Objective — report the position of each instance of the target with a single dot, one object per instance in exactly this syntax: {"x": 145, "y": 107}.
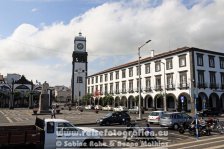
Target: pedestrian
{"x": 53, "y": 113}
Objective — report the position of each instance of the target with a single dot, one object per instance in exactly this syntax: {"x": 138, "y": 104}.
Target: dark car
{"x": 210, "y": 111}
{"x": 114, "y": 117}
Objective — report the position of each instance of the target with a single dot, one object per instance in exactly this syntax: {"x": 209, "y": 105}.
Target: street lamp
{"x": 139, "y": 83}
{"x": 164, "y": 80}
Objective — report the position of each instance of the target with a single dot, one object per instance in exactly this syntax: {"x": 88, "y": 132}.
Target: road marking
{"x": 2, "y": 113}
{"x": 179, "y": 135}
{"x": 215, "y": 147}
{"x": 195, "y": 141}
{"x": 202, "y": 144}
{"x": 10, "y": 121}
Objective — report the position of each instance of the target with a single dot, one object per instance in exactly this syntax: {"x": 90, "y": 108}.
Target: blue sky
{"x": 36, "y": 36}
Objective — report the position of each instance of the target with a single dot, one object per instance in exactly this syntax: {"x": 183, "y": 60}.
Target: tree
{"x": 86, "y": 98}
{"x": 108, "y": 99}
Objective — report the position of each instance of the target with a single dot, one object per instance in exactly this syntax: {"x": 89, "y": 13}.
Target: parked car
{"x": 114, "y": 117}
{"x": 107, "y": 108}
{"x": 120, "y": 108}
{"x": 98, "y": 107}
{"x": 135, "y": 110}
{"x": 89, "y": 107}
{"x": 154, "y": 116}
{"x": 174, "y": 119}
{"x": 210, "y": 111}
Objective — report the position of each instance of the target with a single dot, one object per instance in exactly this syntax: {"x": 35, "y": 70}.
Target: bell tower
{"x": 79, "y": 69}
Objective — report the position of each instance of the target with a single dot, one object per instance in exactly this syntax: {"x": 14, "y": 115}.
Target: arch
{"x": 186, "y": 105}
{"x": 149, "y": 102}
{"x": 214, "y": 101}
{"x": 131, "y": 101}
{"x": 116, "y": 101}
{"x": 96, "y": 101}
{"x": 203, "y": 100}
{"x": 123, "y": 101}
{"x": 159, "y": 101}
{"x": 171, "y": 101}
{"x": 222, "y": 102}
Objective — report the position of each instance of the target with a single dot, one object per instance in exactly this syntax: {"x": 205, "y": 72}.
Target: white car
{"x": 154, "y": 116}
{"x": 121, "y": 108}
{"x": 89, "y": 107}
{"x": 98, "y": 107}
{"x": 107, "y": 108}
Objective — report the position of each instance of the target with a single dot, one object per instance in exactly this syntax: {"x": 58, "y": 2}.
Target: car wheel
{"x": 175, "y": 126}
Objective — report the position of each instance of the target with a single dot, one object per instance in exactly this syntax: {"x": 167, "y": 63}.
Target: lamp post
{"x": 139, "y": 83}
{"x": 164, "y": 82}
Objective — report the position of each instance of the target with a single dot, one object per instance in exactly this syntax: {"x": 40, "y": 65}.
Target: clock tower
{"x": 79, "y": 69}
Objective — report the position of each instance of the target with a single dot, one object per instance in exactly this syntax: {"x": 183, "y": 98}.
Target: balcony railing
{"x": 111, "y": 92}
{"x": 183, "y": 86}
{"x": 214, "y": 86}
{"x": 123, "y": 91}
{"x": 147, "y": 89}
{"x": 170, "y": 87}
{"x": 158, "y": 88}
{"x": 131, "y": 90}
{"x": 117, "y": 92}
{"x": 202, "y": 85}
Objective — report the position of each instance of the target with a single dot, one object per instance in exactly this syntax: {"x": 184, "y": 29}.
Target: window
{"x": 92, "y": 89}
{"x": 222, "y": 80}
{"x": 123, "y": 73}
{"x": 201, "y": 79}
{"x": 111, "y": 76}
{"x": 130, "y": 72}
{"x": 157, "y": 66}
{"x": 89, "y": 90}
{"x": 105, "y": 89}
{"x": 212, "y": 79}
{"x": 111, "y": 88}
{"x": 130, "y": 85}
{"x": 79, "y": 79}
{"x": 147, "y": 68}
{"x": 200, "y": 59}
{"x": 96, "y": 79}
{"x": 96, "y": 87}
{"x": 211, "y": 60}
{"x": 92, "y": 80}
{"x": 221, "y": 61}
{"x": 50, "y": 127}
{"x": 182, "y": 60}
{"x": 183, "y": 79}
{"x": 117, "y": 87}
{"x": 105, "y": 77}
{"x": 158, "y": 82}
{"x": 169, "y": 64}
{"x": 138, "y": 70}
{"x": 148, "y": 83}
{"x": 101, "y": 89}
{"x": 88, "y": 81}
{"x": 124, "y": 87}
{"x": 117, "y": 74}
{"x": 169, "y": 80}
{"x": 101, "y": 78}
{"x": 138, "y": 84}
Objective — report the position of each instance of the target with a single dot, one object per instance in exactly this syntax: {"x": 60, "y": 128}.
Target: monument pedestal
{"x": 44, "y": 104}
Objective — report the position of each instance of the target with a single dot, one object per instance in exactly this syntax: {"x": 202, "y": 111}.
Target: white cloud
{"x": 34, "y": 10}
{"x": 115, "y": 28}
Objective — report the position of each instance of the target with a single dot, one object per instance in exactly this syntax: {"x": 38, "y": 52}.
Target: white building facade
{"x": 186, "y": 73}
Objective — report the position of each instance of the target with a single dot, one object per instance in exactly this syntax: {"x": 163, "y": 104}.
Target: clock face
{"x": 80, "y": 46}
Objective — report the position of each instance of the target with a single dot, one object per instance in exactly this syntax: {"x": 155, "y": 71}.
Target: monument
{"x": 44, "y": 101}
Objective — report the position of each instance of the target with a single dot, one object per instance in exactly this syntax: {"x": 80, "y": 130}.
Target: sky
{"x": 36, "y": 36}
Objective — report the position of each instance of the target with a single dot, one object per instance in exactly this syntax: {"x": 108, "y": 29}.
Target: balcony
{"x": 131, "y": 90}
{"x": 147, "y": 89}
{"x": 214, "y": 86}
{"x": 202, "y": 85}
{"x": 117, "y": 92}
{"x": 170, "y": 87}
{"x": 158, "y": 88}
{"x": 123, "y": 91}
{"x": 111, "y": 92}
{"x": 183, "y": 86}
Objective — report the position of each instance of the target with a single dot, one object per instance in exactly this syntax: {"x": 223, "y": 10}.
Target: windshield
{"x": 108, "y": 115}
{"x": 167, "y": 115}
{"x": 154, "y": 114}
